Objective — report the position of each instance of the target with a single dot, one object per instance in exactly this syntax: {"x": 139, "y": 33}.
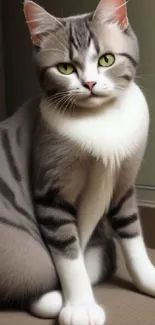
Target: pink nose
{"x": 89, "y": 84}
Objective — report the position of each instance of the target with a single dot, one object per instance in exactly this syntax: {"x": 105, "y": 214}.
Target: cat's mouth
{"x": 92, "y": 101}
{"x": 96, "y": 96}
{"x": 92, "y": 96}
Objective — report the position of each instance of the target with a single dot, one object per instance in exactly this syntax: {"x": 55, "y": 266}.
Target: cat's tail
{"x": 48, "y": 306}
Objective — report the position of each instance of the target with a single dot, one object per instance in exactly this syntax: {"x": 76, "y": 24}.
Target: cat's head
{"x": 86, "y": 60}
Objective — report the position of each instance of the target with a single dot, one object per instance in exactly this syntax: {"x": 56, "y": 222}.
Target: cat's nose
{"x": 89, "y": 85}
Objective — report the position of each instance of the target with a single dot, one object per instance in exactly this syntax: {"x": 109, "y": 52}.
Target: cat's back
{"x": 16, "y": 135}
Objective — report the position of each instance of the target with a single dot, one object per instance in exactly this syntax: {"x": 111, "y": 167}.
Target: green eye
{"x": 106, "y": 60}
{"x": 65, "y": 68}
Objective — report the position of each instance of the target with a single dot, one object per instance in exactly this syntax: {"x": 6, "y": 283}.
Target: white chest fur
{"x": 112, "y": 134}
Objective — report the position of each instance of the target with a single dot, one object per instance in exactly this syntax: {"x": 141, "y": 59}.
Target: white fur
{"x": 139, "y": 266}
{"x": 74, "y": 279}
{"x": 82, "y": 315}
{"x": 91, "y": 64}
{"x": 113, "y": 132}
{"x": 95, "y": 200}
{"x": 48, "y": 306}
{"x": 93, "y": 261}
{"x": 80, "y": 306}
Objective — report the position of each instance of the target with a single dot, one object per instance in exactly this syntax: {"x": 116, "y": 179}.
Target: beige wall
{"x": 21, "y": 81}
{"x": 142, "y": 15}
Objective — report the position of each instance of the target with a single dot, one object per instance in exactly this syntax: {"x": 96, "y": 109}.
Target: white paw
{"x": 48, "y": 306}
{"x": 90, "y": 314}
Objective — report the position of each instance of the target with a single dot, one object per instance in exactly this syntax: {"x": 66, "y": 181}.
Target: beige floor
{"x": 123, "y": 304}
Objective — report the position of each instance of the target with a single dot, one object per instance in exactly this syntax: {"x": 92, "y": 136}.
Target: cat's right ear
{"x": 112, "y": 11}
{"x": 39, "y": 21}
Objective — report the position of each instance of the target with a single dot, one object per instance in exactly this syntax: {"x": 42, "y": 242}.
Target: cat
{"x": 68, "y": 164}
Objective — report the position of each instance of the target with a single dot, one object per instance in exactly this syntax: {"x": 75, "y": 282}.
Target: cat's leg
{"x": 27, "y": 271}
{"x": 80, "y": 305}
{"x": 124, "y": 218}
{"x": 100, "y": 261}
{"x": 58, "y": 226}
{"x": 100, "y": 265}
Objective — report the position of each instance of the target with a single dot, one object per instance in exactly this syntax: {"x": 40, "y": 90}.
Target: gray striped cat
{"x": 68, "y": 163}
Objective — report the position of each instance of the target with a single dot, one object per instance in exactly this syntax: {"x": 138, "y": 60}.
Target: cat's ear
{"x": 39, "y": 21}
{"x": 113, "y": 11}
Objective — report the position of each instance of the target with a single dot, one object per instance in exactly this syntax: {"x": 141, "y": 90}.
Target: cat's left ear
{"x": 113, "y": 11}
{"x": 39, "y": 21}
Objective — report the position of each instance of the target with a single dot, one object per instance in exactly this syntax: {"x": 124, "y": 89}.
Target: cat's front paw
{"x": 87, "y": 314}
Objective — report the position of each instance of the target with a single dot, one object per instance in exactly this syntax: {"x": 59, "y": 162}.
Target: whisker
{"x": 66, "y": 103}
{"x": 73, "y": 103}
{"x": 52, "y": 50}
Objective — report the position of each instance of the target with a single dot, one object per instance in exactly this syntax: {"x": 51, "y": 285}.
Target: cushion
{"x": 123, "y": 304}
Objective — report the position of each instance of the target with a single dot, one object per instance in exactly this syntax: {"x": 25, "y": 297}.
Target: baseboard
{"x": 146, "y": 196}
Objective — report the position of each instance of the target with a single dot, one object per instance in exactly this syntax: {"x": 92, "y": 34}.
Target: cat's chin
{"x": 94, "y": 102}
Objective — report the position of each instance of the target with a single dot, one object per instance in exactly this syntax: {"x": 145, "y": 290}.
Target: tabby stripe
{"x": 9, "y": 195}
{"x": 60, "y": 244}
{"x": 9, "y": 223}
{"x": 18, "y": 136}
{"x": 118, "y": 207}
{"x": 77, "y": 38}
{"x": 54, "y": 223}
{"x": 123, "y": 221}
{"x": 132, "y": 60}
{"x": 126, "y": 235}
{"x": 10, "y": 157}
{"x": 90, "y": 35}
{"x": 127, "y": 31}
{"x": 67, "y": 207}
{"x": 89, "y": 40}
{"x": 49, "y": 202}
{"x": 126, "y": 77}
{"x": 37, "y": 48}
{"x": 95, "y": 40}
{"x": 72, "y": 40}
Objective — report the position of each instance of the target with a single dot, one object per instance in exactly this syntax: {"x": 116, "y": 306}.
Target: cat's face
{"x": 85, "y": 61}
